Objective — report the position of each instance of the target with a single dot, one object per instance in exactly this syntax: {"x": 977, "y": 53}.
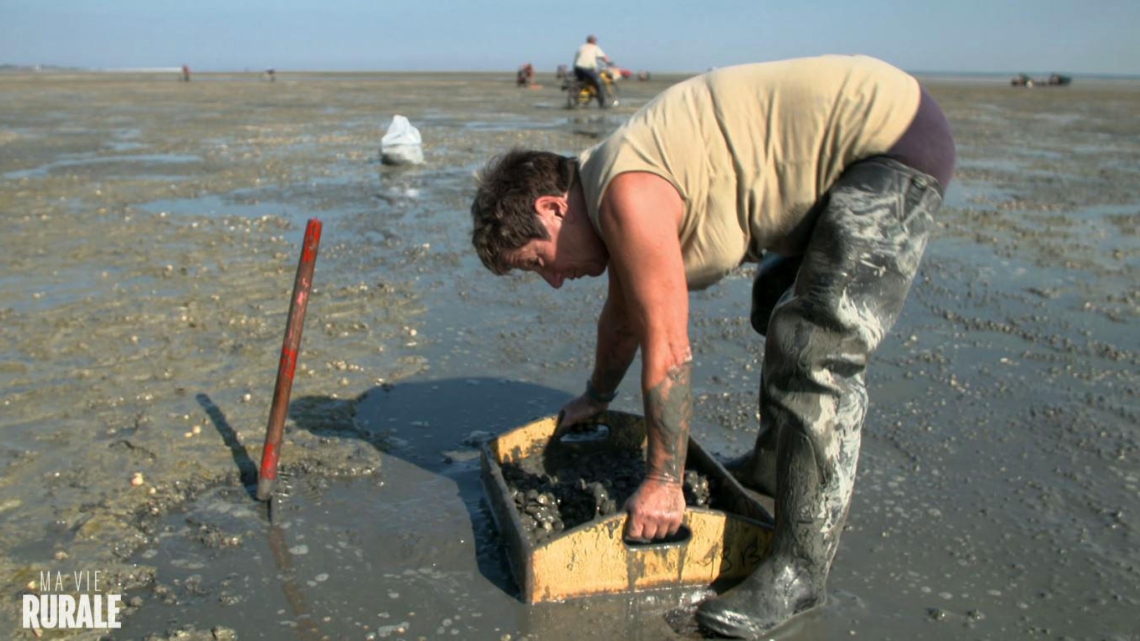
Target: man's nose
{"x": 554, "y": 279}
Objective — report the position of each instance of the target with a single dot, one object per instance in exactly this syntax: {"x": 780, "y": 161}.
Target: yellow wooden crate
{"x": 593, "y": 558}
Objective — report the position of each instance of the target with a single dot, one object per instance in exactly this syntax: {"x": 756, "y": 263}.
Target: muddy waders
{"x": 856, "y": 272}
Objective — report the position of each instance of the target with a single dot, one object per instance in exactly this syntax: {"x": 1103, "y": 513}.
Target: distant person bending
{"x": 525, "y": 76}
{"x": 586, "y": 67}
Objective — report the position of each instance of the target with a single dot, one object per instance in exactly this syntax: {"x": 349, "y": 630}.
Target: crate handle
{"x": 598, "y": 434}
{"x": 682, "y": 537}
{"x": 582, "y": 432}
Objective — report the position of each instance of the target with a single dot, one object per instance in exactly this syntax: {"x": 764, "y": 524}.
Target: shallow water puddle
{"x": 407, "y": 552}
{"x": 366, "y": 558}
{"x": 219, "y": 206}
{"x": 128, "y": 164}
{"x": 337, "y": 558}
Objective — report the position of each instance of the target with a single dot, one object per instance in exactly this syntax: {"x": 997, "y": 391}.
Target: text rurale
{"x": 71, "y": 600}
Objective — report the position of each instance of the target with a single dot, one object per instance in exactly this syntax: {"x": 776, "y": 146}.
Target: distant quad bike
{"x": 1054, "y": 80}
{"x": 580, "y": 93}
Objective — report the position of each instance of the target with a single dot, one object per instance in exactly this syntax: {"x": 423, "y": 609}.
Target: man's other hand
{"x": 579, "y": 410}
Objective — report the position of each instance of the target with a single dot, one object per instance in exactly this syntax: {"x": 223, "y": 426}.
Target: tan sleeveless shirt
{"x": 751, "y": 148}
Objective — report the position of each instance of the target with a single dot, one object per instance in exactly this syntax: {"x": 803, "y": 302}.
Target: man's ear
{"x": 551, "y": 206}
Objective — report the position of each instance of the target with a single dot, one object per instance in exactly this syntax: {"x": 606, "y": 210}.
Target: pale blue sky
{"x": 998, "y": 36}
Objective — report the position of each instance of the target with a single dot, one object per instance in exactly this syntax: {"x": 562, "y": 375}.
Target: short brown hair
{"x": 503, "y": 209}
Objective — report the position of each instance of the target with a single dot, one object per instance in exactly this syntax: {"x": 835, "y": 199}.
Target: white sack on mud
{"x": 402, "y": 144}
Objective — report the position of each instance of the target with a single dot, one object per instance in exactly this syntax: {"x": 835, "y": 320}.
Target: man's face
{"x": 570, "y": 252}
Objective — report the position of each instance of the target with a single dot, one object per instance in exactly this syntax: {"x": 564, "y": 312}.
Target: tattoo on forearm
{"x": 669, "y": 410}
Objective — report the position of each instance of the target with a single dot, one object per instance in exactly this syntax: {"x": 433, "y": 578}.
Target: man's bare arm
{"x": 669, "y": 411}
{"x": 643, "y": 213}
{"x": 617, "y": 342}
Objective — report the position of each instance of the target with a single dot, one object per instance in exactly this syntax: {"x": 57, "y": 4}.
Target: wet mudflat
{"x": 150, "y": 230}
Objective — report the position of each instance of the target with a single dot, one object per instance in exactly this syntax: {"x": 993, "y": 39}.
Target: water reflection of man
{"x": 586, "y": 67}
{"x": 838, "y": 161}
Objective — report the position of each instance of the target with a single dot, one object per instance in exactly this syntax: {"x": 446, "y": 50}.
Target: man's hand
{"x": 579, "y": 410}
{"x": 655, "y": 510}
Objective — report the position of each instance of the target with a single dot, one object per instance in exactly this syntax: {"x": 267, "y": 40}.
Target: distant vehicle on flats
{"x": 1054, "y": 80}
{"x": 580, "y": 93}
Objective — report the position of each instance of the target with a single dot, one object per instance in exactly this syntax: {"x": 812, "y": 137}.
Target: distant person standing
{"x": 586, "y": 66}
{"x": 185, "y": 73}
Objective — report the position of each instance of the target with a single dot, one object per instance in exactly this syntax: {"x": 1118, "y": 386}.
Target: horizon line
{"x": 178, "y": 69}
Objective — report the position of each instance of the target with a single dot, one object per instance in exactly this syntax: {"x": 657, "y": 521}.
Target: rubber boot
{"x": 810, "y": 513}
{"x": 849, "y": 290}
{"x": 775, "y": 277}
{"x": 756, "y": 470}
